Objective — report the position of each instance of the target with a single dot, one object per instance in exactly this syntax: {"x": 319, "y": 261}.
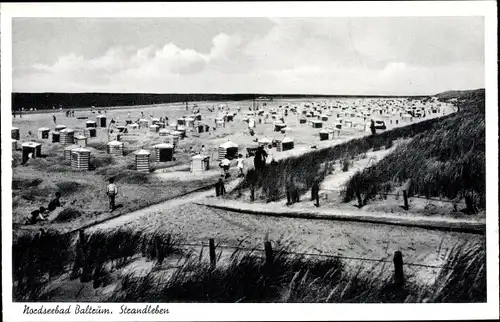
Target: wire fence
{"x": 255, "y": 249}
{"x": 398, "y": 195}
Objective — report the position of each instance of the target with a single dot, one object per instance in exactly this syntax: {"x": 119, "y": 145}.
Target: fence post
{"x": 405, "y": 197}
{"x": 211, "y": 245}
{"x": 360, "y": 200}
{"x": 85, "y": 263}
{"x": 269, "y": 253}
{"x": 398, "y": 268}
{"x": 79, "y": 256}
{"x": 98, "y": 274}
{"x": 159, "y": 250}
{"x": 144, "y": 246}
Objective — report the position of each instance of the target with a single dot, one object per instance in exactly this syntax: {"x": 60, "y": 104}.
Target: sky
{"x": 335, "y": 55}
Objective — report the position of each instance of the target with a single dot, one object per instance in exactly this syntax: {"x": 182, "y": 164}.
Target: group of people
{"x": 42, "y": 213}
{"x": 192, "y": 151}
{"x": 20, "y": 111}
{"x": 259, "y": 163}
{"x": 225, "y": 165}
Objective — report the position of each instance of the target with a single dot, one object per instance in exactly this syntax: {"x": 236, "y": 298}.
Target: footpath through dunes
{"x": 473, "y": 226}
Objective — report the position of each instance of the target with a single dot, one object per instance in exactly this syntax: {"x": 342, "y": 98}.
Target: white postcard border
{"x": 231, "y": 312}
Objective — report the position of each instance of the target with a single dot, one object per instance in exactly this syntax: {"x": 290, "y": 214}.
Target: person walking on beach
{"x": 224, "y": 165}
{"x": 111, "y": 191}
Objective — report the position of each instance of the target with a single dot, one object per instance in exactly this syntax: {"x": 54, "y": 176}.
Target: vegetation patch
{"x": 68, "y": 214}
{"x": 447, "y": 161}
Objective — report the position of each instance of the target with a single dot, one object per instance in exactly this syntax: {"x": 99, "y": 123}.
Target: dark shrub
{"x": 68, "y": 214}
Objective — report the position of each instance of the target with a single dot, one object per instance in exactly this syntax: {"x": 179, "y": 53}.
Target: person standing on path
{"x": 112, "y": 191}
{"x": 260, "y": 158}
{"x": 54, "y": 119}
{"x": 240, "y": 163}
{"x": 220, "y": 190}
{"x": 372, "y": 127}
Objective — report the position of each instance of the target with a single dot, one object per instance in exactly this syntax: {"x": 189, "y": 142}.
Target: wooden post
{"x": 98, "y": 274}
{"x": 86, "y": 263}
{"x": 159, "y": 250}
{"x": 398, "y": 268}
{"x": 295, "y": 195}
{"x": 269, "y": 253}
{"x": 217, "y": 189}
{"x": 211, "y": 245}
{"x": 79, "y": 255}
{"x": 469, "y": 203}
{"x": 144, "y": 247}
{"x": 360, "y": 200}
{"x": 405, "y": 197}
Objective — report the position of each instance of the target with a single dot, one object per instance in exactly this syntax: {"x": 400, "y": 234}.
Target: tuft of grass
{"x": 246, "y": 277}
{"x": 22, "y": 183}
{"x": 464, "y": 278}
{"x": 69, "y": 187}
{"x": 68, "y": 214}
{"x": 345, "y": 165}
{"x": 297, "y": 279}
{"x": 132, "y": 177}
{"x": 100, "y": 160}
{"x": 36, "y": 257}
{"x": 99, "y": 145}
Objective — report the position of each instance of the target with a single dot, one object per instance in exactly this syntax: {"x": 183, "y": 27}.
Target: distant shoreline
{"x": 43, "y": 102}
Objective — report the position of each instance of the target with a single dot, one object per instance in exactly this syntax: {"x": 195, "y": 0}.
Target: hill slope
{"x": 447, "y": 160}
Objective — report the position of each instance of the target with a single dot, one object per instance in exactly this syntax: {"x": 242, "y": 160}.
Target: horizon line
{"x": 255, "y": 94}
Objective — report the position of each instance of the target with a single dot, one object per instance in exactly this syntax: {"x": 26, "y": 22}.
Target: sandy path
{"x": 307, "y": 210}
{"x": 170, "y": 204}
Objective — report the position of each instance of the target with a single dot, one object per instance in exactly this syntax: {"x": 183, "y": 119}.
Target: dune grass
{"x": 305, "y": 170}
{"x": 292, "y": 278}
{"x": 245, "y": 277}
{"x": 42, "y": 256}
{"x": 447, "y": 161}
{"x": 36, "y": 258}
